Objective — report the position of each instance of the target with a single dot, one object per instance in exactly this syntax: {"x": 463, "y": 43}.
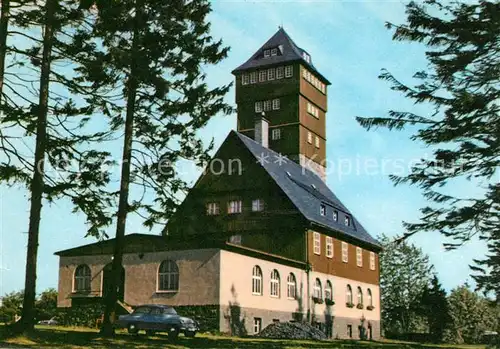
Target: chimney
{"x": 262, "y": 130}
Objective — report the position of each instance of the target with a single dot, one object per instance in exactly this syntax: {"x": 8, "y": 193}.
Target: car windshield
{"x": 170, "y": 311}
{"x": 142, "y": 310}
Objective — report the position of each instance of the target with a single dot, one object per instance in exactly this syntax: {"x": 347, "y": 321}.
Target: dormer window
{"x": 347, "y": 221}
{"x": 322, "y": 210}
{"x": 306, "y": 57}
{"x": 274, "y": 52}
{"x": 335, "y": 215}
{"x": 267, "y": 53}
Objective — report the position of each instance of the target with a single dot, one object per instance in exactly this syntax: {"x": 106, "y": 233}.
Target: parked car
{"x": 51, "y": 322}
{"x": 157, "y": 318}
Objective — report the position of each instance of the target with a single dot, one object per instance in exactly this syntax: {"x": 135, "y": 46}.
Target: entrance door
{"x": 106, "y": 282}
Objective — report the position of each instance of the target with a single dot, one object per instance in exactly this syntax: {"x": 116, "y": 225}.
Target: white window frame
{"x": 291, "y": 289}
{"x": 309, "y": 137}
{"x": 317, "y": 289}
{"x": 304, "y": 73}
{"x": 171, "y": 274}
{"x": 234, "y": 207}
{"x": 335, "y": 215}
{"x": 258, "y": 106}
{"x": 322, "y": 209}
{"x": 345, "y": 252}
{"x": 267, "y": 53}
{"x": 372, "y": 260}
{"x": 257, "y": 325}
{"x": 213, "y": 208}
{"x": 276, "y": 104}
{"x": 288, "y": 71}
{"x": 370, "y": 297}
{"x": 317, "y": 243}
{"x": 267, "y": 105}
{"x": 262, "y": 75}
{"x": 329, "y": 247}
{"x": 328, "y": 290}
{"x": 253, "y": 77}
{"x": 271, "y": 74}
{"x": 359, "y": 295}
{"x": 257, "y": 281}
{"x": 274, "y": 284}
{"x": 316, "y": 142}
{"x": 347, "y": 221}
{"x": 257, "y": 205}
{"x": 348, "y": 294}
{"x": 359, "y": 256}
{"x": 274, "y": 52}
{"x": 279, "y": 73}
{"x": 276, "y": 134}
{"x": 245, "y": 79}
{"x": 84, "y": 278}
{"x": 235, "y": 239}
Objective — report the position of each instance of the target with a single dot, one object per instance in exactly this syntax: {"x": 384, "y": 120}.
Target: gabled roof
{"x": 133, "y": 243}
{"x": 307, "y": 192}
{"x": 290, "y": 53}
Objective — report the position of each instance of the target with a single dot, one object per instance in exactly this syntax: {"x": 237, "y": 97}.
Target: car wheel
{"x": 132, "y": 329}
{"x": 150, "y": 333}
{"x": 190, "y": 334}
{"x": 173, "y": 333}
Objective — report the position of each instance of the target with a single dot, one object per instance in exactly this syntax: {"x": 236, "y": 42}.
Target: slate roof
{"x": 133, "y": 243}
{"x": 291, "y": 53}
{"x": 307, "y": 191}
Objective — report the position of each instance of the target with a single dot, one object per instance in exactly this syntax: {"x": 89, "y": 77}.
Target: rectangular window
{"x": 274, "y": 52}
{"x": 270, "y": 73}
{"x": 304, "y": 73}
{"x": 258, "y": 107}
{"x": 262, "y": 75}
{"x": 267, "y": 53}
{"x": 267, "y": 105}
{"x": 349, "y": 331}
{"x": 257, "y": 325}
{"x": 372, "y": 261}
{"x": 359, "y": 257}
{"x": 279, "y": 73}
{"x": 345, "y": 252}
{"x": 276, "y": 134}
{"x": 347, "y": 221}
{"x": 235, "y": 239}
{"x": 309, "y": 137}
{"x": 234, "y": 206}
{"x": 335, "y": 215}
{"x": 317, "y": 243}
{"x": 276, "y": 104}
{"x": 253, "y": 77}
{"x": 257, "y": 205}
{"x": 316, "y": 142}
{"x": 245, "y": 79}
{"x": 288, "y": 71}
{"x": 309, "y": 108}
{"x": 329, "y": 247}
{"x": 213, "y": 208}
{"x": 322, "y": 210}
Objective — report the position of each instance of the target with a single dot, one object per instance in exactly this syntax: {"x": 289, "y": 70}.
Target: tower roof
{"x": 289, "y": 52}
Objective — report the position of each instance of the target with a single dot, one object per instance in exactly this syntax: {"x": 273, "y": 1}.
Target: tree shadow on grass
{"x": 86, "y": 338}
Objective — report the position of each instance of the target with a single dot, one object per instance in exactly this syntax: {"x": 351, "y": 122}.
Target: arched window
{"x": 257, "y": 280}
{"x": 291, "y": 290}
{"x": 275, "y": 283}
{"x": 328, "y": 290}
{"x": 370, "y": 298}
{"x": 317, "y": 290}
{"x": 168, "y": 276}
{"x": 348, "y": 294}
{"x": 82, "y": 279}
{"x": 360, "y": 295}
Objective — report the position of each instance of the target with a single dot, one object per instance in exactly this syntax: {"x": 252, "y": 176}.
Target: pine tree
{"x": 434, "y": 307}
{"x": 152, "y": 55}
{"x": 462, "y": 88}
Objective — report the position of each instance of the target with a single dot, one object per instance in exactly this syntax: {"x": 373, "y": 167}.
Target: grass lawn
{"x": 65, "y": 337}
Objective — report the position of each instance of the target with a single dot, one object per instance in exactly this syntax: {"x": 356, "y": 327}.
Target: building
{"x": 260, "y": 237}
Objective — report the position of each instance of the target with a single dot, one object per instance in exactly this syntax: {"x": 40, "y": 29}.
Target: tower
{"x": 282, "y": 102}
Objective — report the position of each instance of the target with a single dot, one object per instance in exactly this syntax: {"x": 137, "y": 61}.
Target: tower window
{"x": 245, "y": 79}
{"x": 279, "y": 73}
{"x": 262, "y": 75}
{"x": 258, "y": 107}
{"x": 271, "y": 73}
{"x": 288, "y": 71}
{"x": 276, "y": 104}
{"x": 276, "y": 134}
{"x": 253, "y": 77}
{"x": 316, "y": 142}
{"x": 267, "y": 53}
{"x": 274, "y": 52}
{"x": 372, "y": 261}
{"x": 313, "y": 110}
{"x": 309, "y": 137}
{"x": 267, "y": 105}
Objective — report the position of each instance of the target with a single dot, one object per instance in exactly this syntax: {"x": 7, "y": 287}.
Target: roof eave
{"x": 371, "y": 244}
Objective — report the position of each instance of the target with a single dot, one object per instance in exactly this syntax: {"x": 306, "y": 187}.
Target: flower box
{"x": 359, "y": 306}
{"x": 370, "y": 307}
{"x": 329, "y": 301}
{"x": 349, "y": 305}
{"x": 317, "y": 300}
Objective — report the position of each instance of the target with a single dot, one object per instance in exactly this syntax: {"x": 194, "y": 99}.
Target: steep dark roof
{"x": 133, "y": 243}
{"x": 291, "y": 53}
{"x": 307, "y": 192}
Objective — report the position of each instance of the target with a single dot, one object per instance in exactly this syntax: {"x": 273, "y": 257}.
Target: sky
{"x": 349, "y": 45}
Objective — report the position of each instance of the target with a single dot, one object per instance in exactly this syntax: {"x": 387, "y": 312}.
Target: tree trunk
{"x": 4, "y": 25}
{"x": 37, "y": 183}
{"x": 112, "y": 297}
